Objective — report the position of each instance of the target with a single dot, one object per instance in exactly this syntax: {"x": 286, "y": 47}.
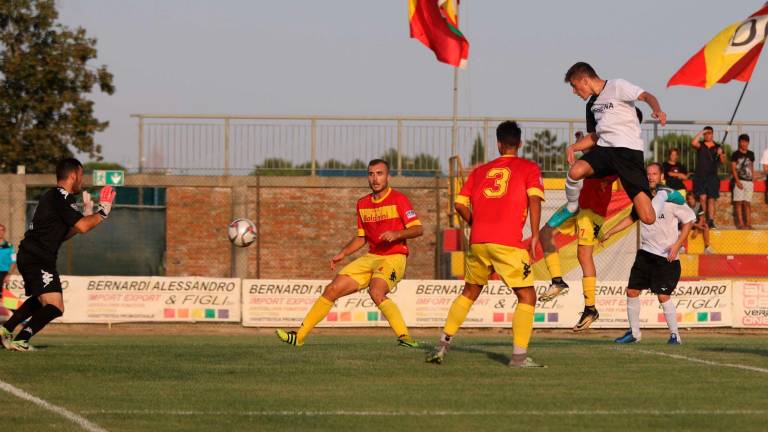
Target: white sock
{"x": 658, "y": 201}
{"x": 670, "y": 314}
{"x": 633, "y": 314}
{"x": 572, "y": 192}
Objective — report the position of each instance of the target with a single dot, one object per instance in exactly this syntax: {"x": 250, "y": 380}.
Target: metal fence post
{"x": 141, "y": 145}
{"x": 226, "y": 146}
{"x": 399, "y": 147}
{"x": 313, "y": 149}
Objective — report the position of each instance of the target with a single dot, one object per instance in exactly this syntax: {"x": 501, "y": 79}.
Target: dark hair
{"x": 744, "y": 137}
{"x": 658, "y": 165}
{"x": 65, "y": 167}
{"x": 673, "y": 149}
{"x": 508, "y": 133}
{"x": 579, "y": 70}
{"x": 378, "y": 161}
{"x": 709, "y": 128}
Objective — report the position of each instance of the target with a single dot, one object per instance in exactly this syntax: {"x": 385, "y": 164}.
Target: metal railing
{"x": 342, "y": 145}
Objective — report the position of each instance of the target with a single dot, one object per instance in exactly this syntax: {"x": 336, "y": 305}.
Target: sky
{"x": 346, "y": 57}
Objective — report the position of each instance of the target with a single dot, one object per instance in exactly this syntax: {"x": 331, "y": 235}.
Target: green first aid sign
{"x": 108, "y": 178}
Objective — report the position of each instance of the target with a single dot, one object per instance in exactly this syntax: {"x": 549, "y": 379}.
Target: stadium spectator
{"x": 700, "y": 225}
{"x": 742, "y": 169}
{"x": 706, "y": 183}
{"x": 7, "y": 258}
{"x": 674, "y": 172}
{"x": 764, "y": 163}
{"x": 56, "y": 219}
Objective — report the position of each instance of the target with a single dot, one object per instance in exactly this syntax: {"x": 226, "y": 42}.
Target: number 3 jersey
{"x": 497, "y": 193}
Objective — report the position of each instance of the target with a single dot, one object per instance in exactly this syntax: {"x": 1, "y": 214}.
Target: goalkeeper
{"x": 56, "y": 219}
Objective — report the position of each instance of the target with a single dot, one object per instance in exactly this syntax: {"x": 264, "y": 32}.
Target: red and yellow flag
{"x": 732, "y": 54}
{"x": 436, "y": 24}
{"x": 10, "y": 300}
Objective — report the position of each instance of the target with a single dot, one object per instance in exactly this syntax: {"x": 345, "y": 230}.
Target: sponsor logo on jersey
{"x": 47, "y": 278}
{"x": 63, "y": 192}
{"x": 410, "y": 214}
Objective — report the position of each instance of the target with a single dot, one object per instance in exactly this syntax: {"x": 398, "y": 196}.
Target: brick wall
{"x": 196, "y": 231}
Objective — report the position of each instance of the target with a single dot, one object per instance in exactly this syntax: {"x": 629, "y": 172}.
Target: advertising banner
{"x": 750, "y": 304}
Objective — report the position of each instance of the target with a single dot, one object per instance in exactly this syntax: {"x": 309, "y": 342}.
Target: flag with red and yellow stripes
{"x": 731, "y": 55}
{"x": 436, "y": 24}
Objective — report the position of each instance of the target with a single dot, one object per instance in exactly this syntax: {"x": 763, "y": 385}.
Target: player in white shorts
{"x": 657, "y": 265}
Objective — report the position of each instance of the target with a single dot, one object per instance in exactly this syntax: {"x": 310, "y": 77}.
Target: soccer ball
{"x": 241, "y": 232}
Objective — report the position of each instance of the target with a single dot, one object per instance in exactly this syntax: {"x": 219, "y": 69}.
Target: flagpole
{"x": 730, "y": 122}
{"x": 454, "y": 116}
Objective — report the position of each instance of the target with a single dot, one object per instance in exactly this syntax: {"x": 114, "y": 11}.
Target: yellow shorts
{"x": 511, "y": 263}
{"x": 390, "y": 268}
{"x": 585, "y": 225}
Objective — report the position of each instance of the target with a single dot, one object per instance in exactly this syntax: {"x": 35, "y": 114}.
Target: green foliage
{"x": 661, "y": 146}
{"x": 45, "y": 75}
{"x": 478, "y": 151}
{"x": 550, "y": 156}
{"x": 92, "y": 166}
{"x": 281, "y": 167}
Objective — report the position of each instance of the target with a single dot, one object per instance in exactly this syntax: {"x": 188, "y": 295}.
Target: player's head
{"x": 743, "y": 142}
{"x": 378, "y": 175}
{"x": 708, "y": 133}
{"x": 673, "y": 155}
{"x": 580, "y": 76}
{"x": 508, "y": 136}
{"x": 653, "y": 171}
{"x": 690, "y": 198}
{"x": 69, "y": 174}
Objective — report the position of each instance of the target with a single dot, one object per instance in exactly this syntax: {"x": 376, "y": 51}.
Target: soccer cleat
{"x": 407, "y": 341}
{"x": 589, "y": 316}
{"x": 673, "y": 196}
{"x": 561, "y": 215}
{"x": 288, "y": 337}
{"x": 555, "y": 289}
{"x": 628, "y": 338}
{"x": 708, "y": 250}
{"x": 7, "y": 337}
{"x": 21, "y": 345}
{"x": 674, "y": 339}
{"x": 528, "y": 363}
{"x": 438, "y": 353}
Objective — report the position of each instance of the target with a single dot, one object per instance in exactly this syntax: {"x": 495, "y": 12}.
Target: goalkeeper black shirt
{"x": 56, "y": 213}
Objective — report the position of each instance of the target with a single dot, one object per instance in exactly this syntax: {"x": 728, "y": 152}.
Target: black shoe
{"x": 589, "y": 316}
{"x": 711, "y": 224}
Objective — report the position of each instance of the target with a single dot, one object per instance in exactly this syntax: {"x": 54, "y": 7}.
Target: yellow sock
{"x": 522, "y": 325}
{"x": 316, "y": 313}
{"x": 390, "y": 310}
{"x": 553, "y": 264}
{"x": 457, "y": 314}
{"x": 588, "y": 284}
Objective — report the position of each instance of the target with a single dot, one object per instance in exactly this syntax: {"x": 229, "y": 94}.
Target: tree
{"x": 45, "y": 75}
{"x": 661, "y": 146}
{"x": 478, "y": 151}
{"x": 90, "y": 167}
{"x": 547, "y": 153}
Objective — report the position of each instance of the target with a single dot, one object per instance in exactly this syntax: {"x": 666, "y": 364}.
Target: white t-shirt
{"x": 614, "y": 111}
{"x": 659, "y": 237}
{"x": 764, "y": 159}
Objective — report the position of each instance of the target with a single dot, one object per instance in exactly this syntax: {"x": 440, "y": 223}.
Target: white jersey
{"x": 659, "y": 237}
{"x": 614, "y": 111}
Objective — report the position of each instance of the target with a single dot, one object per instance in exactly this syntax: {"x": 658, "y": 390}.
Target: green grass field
{"x": 345, "y": 381}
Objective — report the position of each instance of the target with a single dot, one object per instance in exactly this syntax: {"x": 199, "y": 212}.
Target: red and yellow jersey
{"x": 497, "y": 193}
{"x": 392, "y": 212}
{"x": 596, "y": 194}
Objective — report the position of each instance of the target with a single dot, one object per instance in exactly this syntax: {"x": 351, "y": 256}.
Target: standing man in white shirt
{"x": 657, "y": 264}
{"x": 618, "y": 147}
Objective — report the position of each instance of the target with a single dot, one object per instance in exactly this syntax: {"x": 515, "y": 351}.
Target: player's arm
{"x": 464, "y": 212}
{"x": 353, "y": 246}
{"x": 656, "y": 113}
{"x": 586, "y": 142}
{"x": 410, "y": 221}
{"x": 462, "y": 203}
{"x": 621, "y": 226}
{"x": 675, "y": 248}
{"x": 84, "y": 224}
{"x": 534, "y": 206}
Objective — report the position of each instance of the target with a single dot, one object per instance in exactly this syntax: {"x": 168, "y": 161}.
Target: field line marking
{"x": 697, "y": 360}
{"x": 187, "y": 413}
{"x": 69, "y": 415}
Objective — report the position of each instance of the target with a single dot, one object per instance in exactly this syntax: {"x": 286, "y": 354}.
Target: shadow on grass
{"x": 737, "y": 350}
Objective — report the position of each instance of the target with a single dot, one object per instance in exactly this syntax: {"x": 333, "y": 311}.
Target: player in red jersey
{"x": 585, "y": 225}
{"x": 385, "y": 219}
{"x": 495, "y": 202}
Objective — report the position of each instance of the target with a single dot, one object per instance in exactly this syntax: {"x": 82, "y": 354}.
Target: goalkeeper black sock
{"x": 39, "y": 320}
{"x": 27, "y": 309}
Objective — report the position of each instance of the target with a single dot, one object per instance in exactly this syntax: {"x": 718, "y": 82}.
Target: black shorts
{"x": 626, "y": 163}
{"x": 655, "y": 273}
{"x": 709, "y": 186}
{"x": 39, "y": 278}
